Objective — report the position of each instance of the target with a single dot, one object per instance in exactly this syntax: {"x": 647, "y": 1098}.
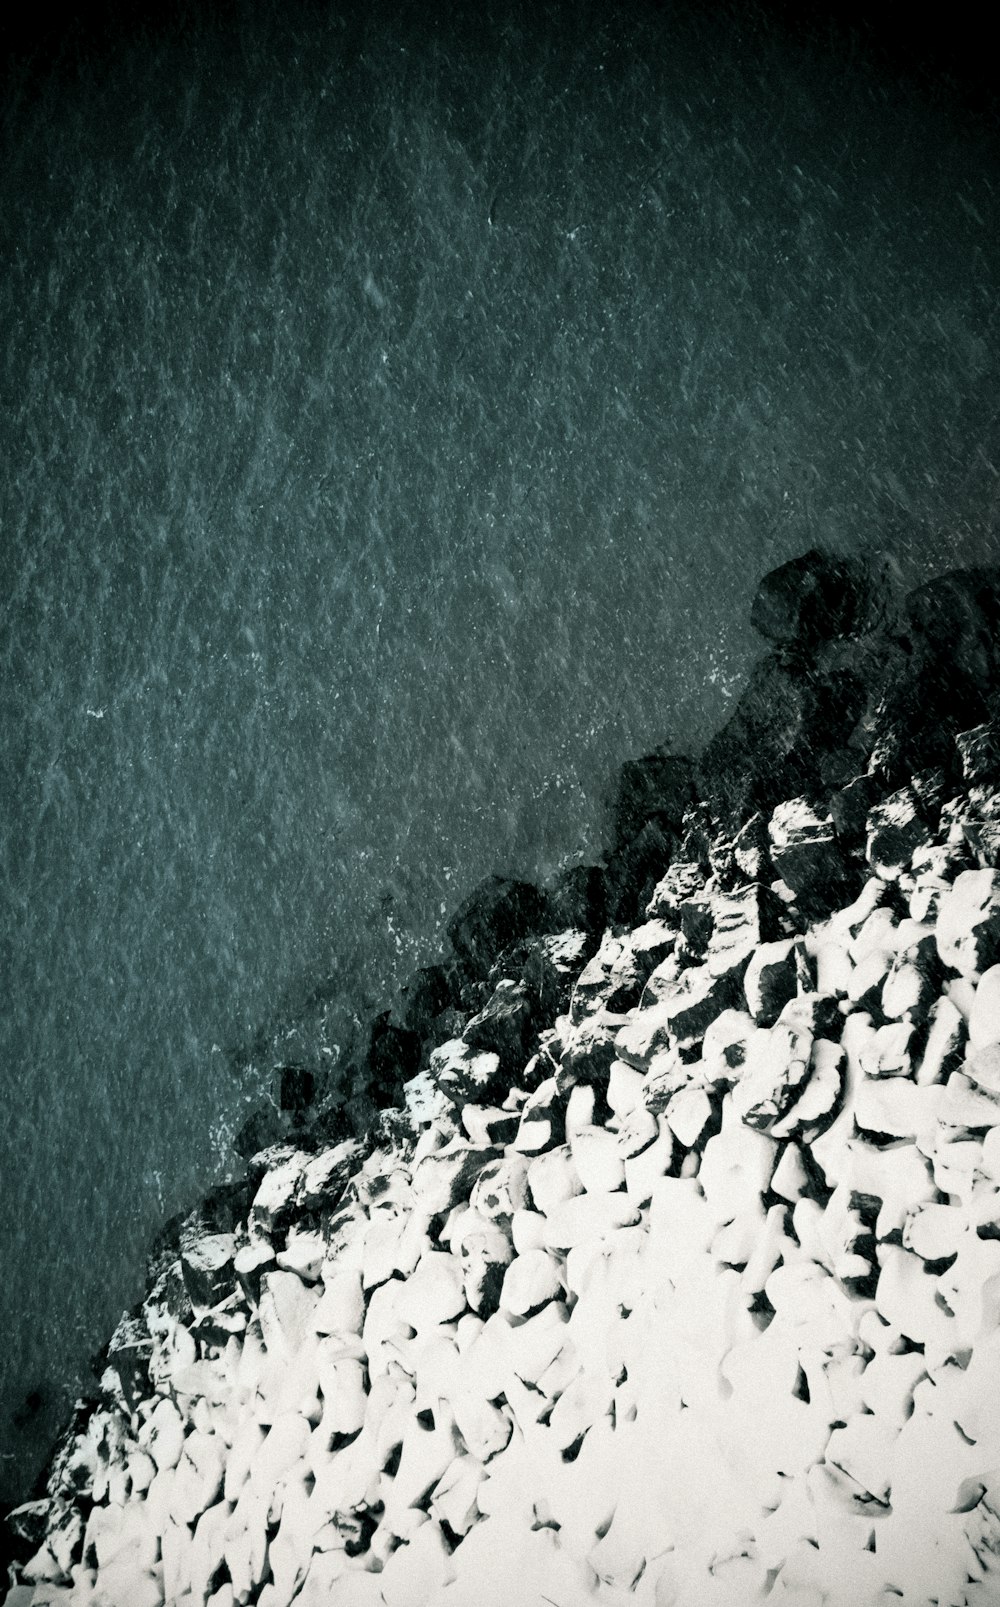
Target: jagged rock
{"x": 944, "y": 1047}
{"x": 499, "y": 912}
{"x": 751, "y": 851}
{"x": 207, "y": 1266}
{"x": 850, "y": 807}
{"x": 770, "y": 747}
{"x": 579, "y": 897}
{"x": 968, "y": 924}
{"x": 546, "y": 968}
{"x": 979, "y": 751}
{"x": 129, "y": 1354}
{"x": 588, "y": 1050}
{"x": 393, "y": 1058}
{"x": 447, "y": 1176}
{"x": 771, "y": 979}
{"x": 816, "y": 597}
{"x": 897, "y": 829}
{"x": 780, "y": 1062}
{"x": 689, "y": 1004}
{"x": 683, "y": 880}
{"x": 658, "y": 787}
{"x": 914, "y": 981}
{"x": 696, "y": 926}
{"x": 635, "y": 869}
{"x": 741, "y": 921}
{"x": 612, "y": 980}
{"x": 808, "y": 857}
{"x": 504, "y": 1028}
{"x": 263, "y": 1127}
{"x": 542, "y": 1122}
{"x": 462, "y": 1074}
{"x": 431, "y": 989}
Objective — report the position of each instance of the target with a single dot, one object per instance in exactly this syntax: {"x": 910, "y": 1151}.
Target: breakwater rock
{"x": 665, "y": 1267}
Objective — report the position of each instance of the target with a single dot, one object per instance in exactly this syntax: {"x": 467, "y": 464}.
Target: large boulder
{"x": 817, "y": 597}
{"x": 393, "y": 1058}
{"x": 772, "y": 744}
{"x": 659, "y": 787}
{"x": 497, "y": 913}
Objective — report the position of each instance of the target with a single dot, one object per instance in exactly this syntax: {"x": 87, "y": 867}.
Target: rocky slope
{"x": 669, "y": 1272}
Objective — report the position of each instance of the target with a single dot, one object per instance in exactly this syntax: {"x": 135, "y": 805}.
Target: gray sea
{"x": 397, "y": 416}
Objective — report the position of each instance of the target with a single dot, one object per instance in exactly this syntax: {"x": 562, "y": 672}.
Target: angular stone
{"x": 779, "y": 1063}
{"x": 129, "y": 1353}
{"x": 979, "y": 750}
{"x": 807, "y": 856}
{"x": 816, "y": 597}
{"x": 611, "y": 980}
{"x": 542, "y": 1119}
{"x": 684, "y": 880}
{"x": 207, "y": 1267}
{"x": 504, "y": 1028}
{"x": 945, "y": 1044}
{"x": 588, "y": 1051}
{"x": 497, "y": 913}
{"x": 968, "y": 924}
{"x": 658, "y": 787}
{"x": 741, "y": 922}
{"x": 691, "y": 1003}
{"x": 462, "y": 1074}
{"x": 897, "y": 829}
{"x": 771, "y": 980}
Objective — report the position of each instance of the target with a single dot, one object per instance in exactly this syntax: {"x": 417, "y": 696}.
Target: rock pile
{"x": 674, "y": 1279}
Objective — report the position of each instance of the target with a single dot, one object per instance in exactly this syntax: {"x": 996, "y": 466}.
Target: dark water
{"x": 397, "y": 418}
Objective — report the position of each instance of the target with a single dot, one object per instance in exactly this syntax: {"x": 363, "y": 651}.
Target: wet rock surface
{"x": 669, "y": 1271}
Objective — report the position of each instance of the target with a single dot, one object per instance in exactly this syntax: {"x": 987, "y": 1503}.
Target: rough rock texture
{"x": 674, "y": 1278}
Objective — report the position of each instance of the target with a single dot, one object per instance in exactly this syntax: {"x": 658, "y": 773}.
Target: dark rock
{"x": 697, "y": 925}
{"x": 751, "y": 851}
{"x": 168, "y": 1293}
{"x": 814, "y": 598}
{"x": 207, "y": 1266}
{"x": 808, "y": 858}
{"x": 393, "y": 1058}
{"x": 694, "y": 1001}
{"x": 613, "y": 981}
{"x": 431, "y": 989}
{"x": 772, "y": 980}
{"x": 896, "y": 830}
{"x": 658, "y": 787}
{"x": 950, "y": 680}
{"x": 504, "y": 1028}
{"x": 546, "y": 969}
{"x": 979, "y": 750}
{"x": 497, "y": 913}
{"x": 263, "y": 1127}
{"x": 579, "y": 897}
{"x": 635, "y": 870}
{"x": 296, "y": 1089}
{"x": 741, "y": 922}
{"x": 771, "y": 746}
{"x": 850, "y": 806}
{"x": 683, "y": 880}
{"x": 588, "y": 1055}
{"x": 129, "y": 1353}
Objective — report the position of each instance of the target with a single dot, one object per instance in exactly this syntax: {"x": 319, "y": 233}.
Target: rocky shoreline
{"x": 655, "y": 1256}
